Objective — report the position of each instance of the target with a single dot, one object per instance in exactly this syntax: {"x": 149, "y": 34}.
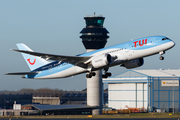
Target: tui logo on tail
{"x": 31, "y": 62}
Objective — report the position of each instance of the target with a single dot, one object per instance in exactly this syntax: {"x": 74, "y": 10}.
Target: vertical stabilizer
{"x": 33, "y": 62}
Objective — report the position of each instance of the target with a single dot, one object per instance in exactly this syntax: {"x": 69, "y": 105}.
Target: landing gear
{"x": 106, "y": 74}
{"x": 161, "y": 53}
{"x": 89, "y": 75}
{"x": 161, "y": 58}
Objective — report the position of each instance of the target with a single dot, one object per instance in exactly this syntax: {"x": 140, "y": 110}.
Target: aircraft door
{"x": 152, "y": 41}
{"x": 126, "y": 48}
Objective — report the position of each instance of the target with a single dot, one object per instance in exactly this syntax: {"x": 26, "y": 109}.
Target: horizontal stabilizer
{"x": 22, "y": 73}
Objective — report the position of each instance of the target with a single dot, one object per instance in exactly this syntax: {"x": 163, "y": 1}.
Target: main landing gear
{"x": 161, "y": 53}
{"x": 89, "y": 75}
{"x": 106, "y": 74}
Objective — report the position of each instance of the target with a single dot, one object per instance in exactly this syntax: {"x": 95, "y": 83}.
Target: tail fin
{"x": 32, "y": 61}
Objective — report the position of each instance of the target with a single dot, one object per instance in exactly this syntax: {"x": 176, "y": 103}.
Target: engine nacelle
{"x": 133, "y": 63}
{"x": 101, "y": 61}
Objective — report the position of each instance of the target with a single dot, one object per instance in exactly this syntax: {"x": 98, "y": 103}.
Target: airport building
{"x": 45, "y": 102}
{"x": 150, "y": 89}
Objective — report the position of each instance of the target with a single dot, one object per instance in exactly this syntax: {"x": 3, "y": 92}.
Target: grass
{"x": 132, "y": 115}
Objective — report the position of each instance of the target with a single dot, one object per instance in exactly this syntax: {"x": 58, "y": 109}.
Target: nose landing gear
{"x": 161, "y": 58}
{"x": 161, "y": 53}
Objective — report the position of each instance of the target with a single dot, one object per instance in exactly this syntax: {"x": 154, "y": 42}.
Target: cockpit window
{"x": 165, "y": 38}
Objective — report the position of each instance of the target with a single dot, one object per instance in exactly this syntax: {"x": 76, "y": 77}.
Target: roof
{"x": 62, "y": 107}
{"x": 141, "y": 75}
{"x": 160, "y": 72}
{"x": 152, "y": 73}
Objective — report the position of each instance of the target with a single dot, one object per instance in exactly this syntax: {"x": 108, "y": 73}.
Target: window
{"x": 165, "y": 38}
{"x": 94, "y": 22}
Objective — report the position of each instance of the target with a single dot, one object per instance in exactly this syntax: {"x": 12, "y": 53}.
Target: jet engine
{"x": 133, "y": 63}
{"x": 101, "y": 60}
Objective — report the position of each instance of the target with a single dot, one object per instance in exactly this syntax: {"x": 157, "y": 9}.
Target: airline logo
{"x": 164, "y": 82}
{"x": 32, "y": 63}
{"x": 141, "y": 42}
{"x": 169, "y": 82}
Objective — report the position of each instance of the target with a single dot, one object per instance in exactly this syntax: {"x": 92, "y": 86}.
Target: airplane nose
{"x": 169, "y": 45}
{"x": 172, "y": 43}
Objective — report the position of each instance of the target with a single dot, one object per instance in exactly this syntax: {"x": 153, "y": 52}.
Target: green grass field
{"x": 132, "y": 115}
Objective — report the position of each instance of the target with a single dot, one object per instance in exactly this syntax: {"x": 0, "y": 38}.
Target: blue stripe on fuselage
{"x": 51, "y": 68}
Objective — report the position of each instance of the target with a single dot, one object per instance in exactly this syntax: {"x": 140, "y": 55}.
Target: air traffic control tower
{"x": 94, "y": 36}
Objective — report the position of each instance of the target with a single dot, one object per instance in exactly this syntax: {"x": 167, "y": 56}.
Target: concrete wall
{"x": 47, "y": 100}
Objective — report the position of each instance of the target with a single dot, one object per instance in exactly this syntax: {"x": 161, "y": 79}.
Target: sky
{"x": 53, "y": 26}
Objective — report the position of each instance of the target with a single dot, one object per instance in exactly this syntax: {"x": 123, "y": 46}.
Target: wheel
{"x": 92, "y": 73}
{"x": 104, "y": 76}
{"x": 88, "y": 76}
{"x": 161, "y": 58}
{"x": 108, "y": 74}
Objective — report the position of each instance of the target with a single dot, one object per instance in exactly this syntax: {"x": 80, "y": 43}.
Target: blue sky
{"x": 53, "y": 26}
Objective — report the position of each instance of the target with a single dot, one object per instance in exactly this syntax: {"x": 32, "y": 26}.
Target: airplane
{"x": 129, "y": 55}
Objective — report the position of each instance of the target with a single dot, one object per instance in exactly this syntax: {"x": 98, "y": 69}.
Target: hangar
{"x": 151, "y": 89}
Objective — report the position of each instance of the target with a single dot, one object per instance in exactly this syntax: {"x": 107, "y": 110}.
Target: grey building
{"x": 150, "y": 89}
{"x": 7, "y": 98}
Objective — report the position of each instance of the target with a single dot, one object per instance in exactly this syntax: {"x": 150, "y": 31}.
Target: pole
{"x": 173, "y": 91}
{"x": 173, "y": 95}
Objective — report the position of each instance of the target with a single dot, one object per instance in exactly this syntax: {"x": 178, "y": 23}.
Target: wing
{"x": 75, "y": 60}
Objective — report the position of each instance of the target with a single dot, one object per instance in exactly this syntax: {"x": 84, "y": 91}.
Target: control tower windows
{"x": 94, "y": 22}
